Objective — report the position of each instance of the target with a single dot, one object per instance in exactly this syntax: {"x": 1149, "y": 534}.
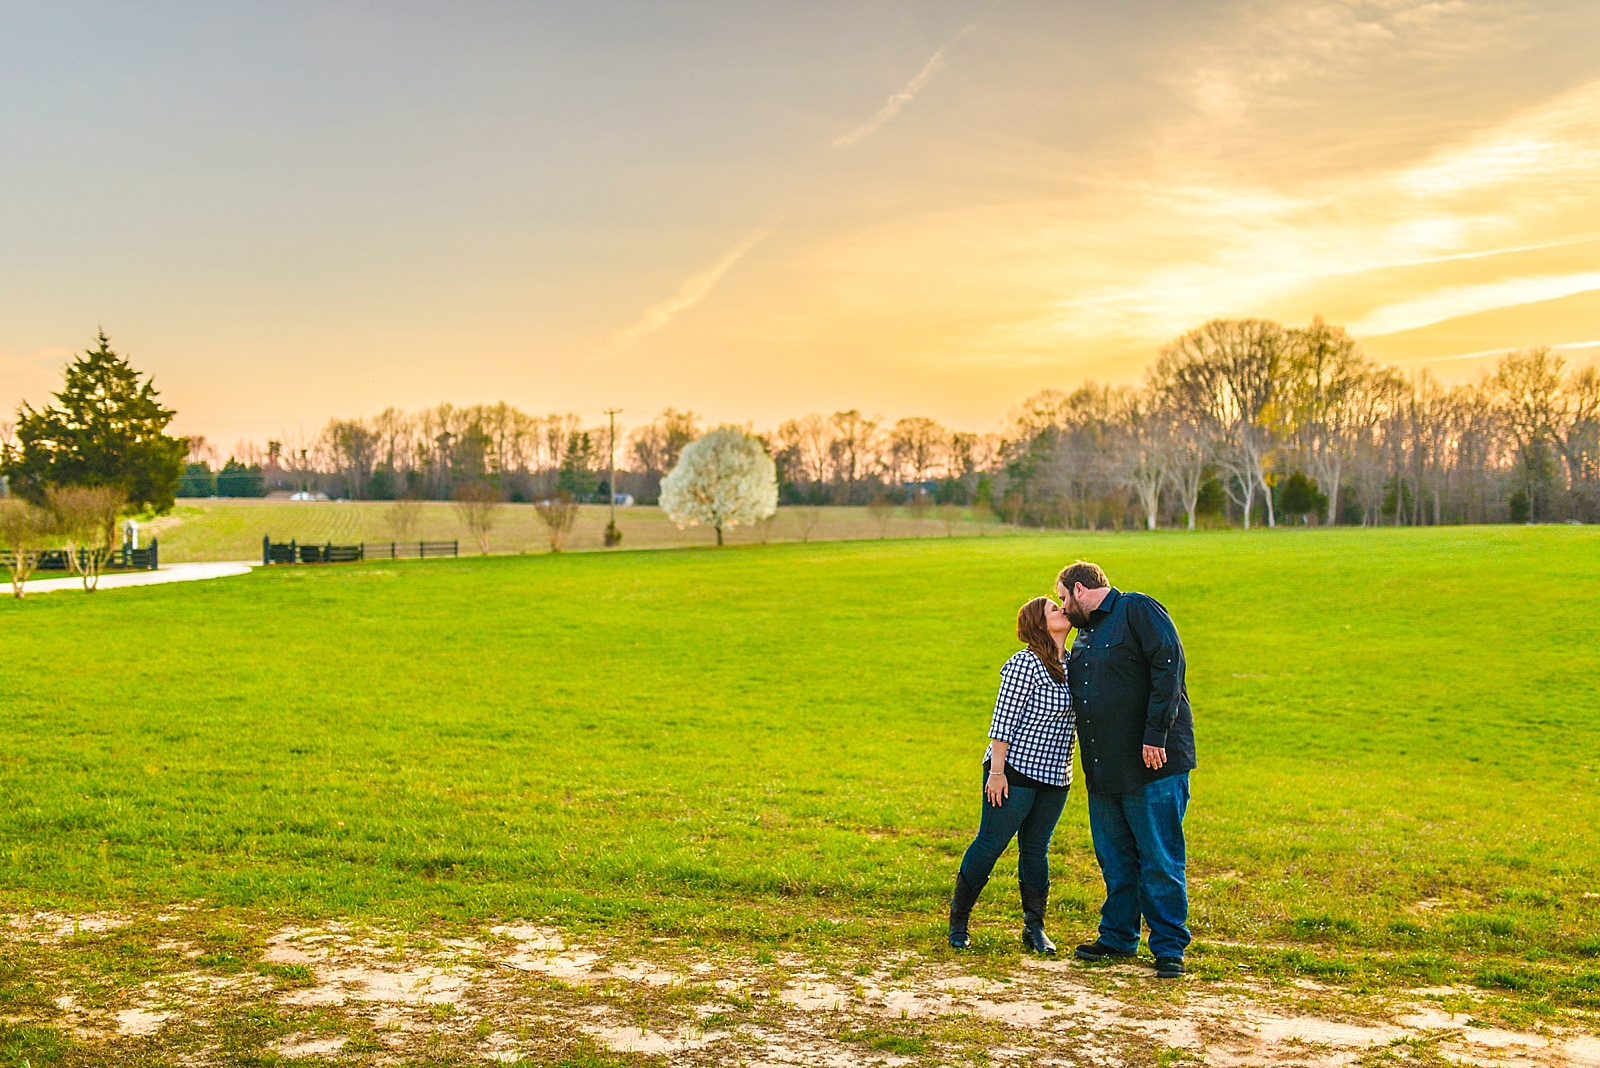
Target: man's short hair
{"x": 1083, "y": 571}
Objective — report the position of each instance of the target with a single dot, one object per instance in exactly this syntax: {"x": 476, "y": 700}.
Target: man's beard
{"x": 1077, "y": 615}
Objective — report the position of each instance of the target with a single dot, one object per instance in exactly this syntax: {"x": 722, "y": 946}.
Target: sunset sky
{"x": 290, "y": 211}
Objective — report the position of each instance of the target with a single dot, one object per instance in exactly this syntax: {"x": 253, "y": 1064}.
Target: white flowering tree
{"x": 723, "y": 479}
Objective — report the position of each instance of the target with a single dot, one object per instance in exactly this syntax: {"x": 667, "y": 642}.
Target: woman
{"x": 1027, "y": 771}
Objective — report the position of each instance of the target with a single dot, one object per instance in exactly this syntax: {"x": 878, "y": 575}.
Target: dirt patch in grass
{"x": 132, "y": 989}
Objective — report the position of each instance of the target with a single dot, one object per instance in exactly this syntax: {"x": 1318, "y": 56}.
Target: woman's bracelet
{"x": 996, "y": 771}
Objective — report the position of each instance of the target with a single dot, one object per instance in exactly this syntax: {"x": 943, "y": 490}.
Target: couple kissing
{"x": 1119, "y": 696}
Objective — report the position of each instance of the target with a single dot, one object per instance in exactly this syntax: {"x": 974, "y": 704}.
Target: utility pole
{"x": 613, "y": 536}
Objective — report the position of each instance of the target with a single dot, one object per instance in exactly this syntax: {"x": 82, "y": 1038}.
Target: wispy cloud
{"x": 1272, "y": 47}
{"x": 1471, "y": 228}
{"x": 1456, "y": 301}
{"x": 1569, "y": 346}
{"x": 696, "y": 288}
{"x": 896, "y": 103}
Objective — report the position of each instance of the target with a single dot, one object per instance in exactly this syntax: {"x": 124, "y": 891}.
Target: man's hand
{"x": 996, "y": 789}
{"x": 1154, "y": 757}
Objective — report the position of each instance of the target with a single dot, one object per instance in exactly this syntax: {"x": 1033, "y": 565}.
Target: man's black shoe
{"x": 1098, "y": 950}
{"x": 1169, "y": 967}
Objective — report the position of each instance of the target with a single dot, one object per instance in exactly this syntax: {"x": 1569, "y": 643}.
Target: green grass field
{"x": 779, "y": 745}
{"x": 231, "y": 528}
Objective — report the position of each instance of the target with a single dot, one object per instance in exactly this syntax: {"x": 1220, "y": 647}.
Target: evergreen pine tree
{"x": 107, "y": 428}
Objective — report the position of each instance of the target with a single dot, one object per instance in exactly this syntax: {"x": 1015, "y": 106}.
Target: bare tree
{"x": 1430, "y": 406}
{"x": 85, "y": 519}
{"x": 554, "y": 443}
{"x": 881, "y": 509}
{"x": 103, "y": 506}
{"x": 1580, "y": 445}
{"x": 916, "y": 445}
{"x": 61, "y": 505}
{"x": 656, "y": 445}
{"x": 478, "y": 508}
{"x": 1063, "y": 450}
{"x": 962, "y": 456}
{"x": 1476, "y": 438}
{"x": 25, "y": 532}
{"x": 396, "y": 441}
{"x": 917, "y": 505}
{"x": 402, "y": 517}
{"x": 950, "y": 515}
{"x": 1324, "y": 373}
{"x": 202, "y": 451}
{"x": 1382, "y": 394}
{"x": 558, "y": 514}
{"x": 854, "y": 445}
{"x": 1186, "y": 433}
{"x": 354, "y": 448}
{"x": 1547, "y": 415}
{"x": 806, "y": 517}
{"x": 1139, "y": 457}
{"x": 809, "y": 440}
{"x": 976, "y": 453}
{"x": 1528, "y": 385}
{"x": 1232, "y": 367}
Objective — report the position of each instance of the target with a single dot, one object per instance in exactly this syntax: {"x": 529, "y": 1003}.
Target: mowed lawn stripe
{"x": 1395, "y": 732}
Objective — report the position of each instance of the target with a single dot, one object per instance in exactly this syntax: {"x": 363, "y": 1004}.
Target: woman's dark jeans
{"x": 1029, "y": 815}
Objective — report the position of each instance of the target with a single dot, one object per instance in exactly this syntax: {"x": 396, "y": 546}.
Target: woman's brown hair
{"x": 1033, "y": 632}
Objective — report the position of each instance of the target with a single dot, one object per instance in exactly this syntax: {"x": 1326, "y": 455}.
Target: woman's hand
{"x": 996, "y": 789}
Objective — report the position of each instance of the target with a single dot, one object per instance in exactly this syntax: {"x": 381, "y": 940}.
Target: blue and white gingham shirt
{"x": 1033, "y": 715}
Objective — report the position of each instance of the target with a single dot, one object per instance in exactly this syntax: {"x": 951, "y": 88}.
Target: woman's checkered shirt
{"x": 1033, "y": 715}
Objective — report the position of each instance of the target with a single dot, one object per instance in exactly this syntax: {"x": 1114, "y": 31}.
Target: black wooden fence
{"x": 292, "y": 552}
{"x": 123, "y": 559}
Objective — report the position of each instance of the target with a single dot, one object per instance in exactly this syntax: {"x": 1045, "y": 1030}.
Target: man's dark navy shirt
{"x": 1126, "y": 673}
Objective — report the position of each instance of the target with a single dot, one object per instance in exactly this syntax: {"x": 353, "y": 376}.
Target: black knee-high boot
{"x": 961, "y": 903}
{"x": 1034, "y": 900}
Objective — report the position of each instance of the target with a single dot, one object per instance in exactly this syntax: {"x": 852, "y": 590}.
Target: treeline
{"x": 435, "y": 453}
{"x": 427, "y": 454}
{"x": 1239, "y": 421}
{"x": 839, "y": 459}
{"x": 1250, "y": 421}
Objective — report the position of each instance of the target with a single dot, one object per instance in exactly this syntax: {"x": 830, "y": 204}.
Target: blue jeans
{"x": 1138, "y": 839}
{"x": 1029, "y": 815}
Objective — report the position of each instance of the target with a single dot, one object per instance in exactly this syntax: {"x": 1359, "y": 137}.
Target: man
{"x": 1136, "y": 741}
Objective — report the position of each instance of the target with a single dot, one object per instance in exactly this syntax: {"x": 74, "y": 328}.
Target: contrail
{"x": 896, "y": 103}
{"x": 698, "y": 287}
{"x": 1498, "y": 352}
{"x": 695, "y": 288}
